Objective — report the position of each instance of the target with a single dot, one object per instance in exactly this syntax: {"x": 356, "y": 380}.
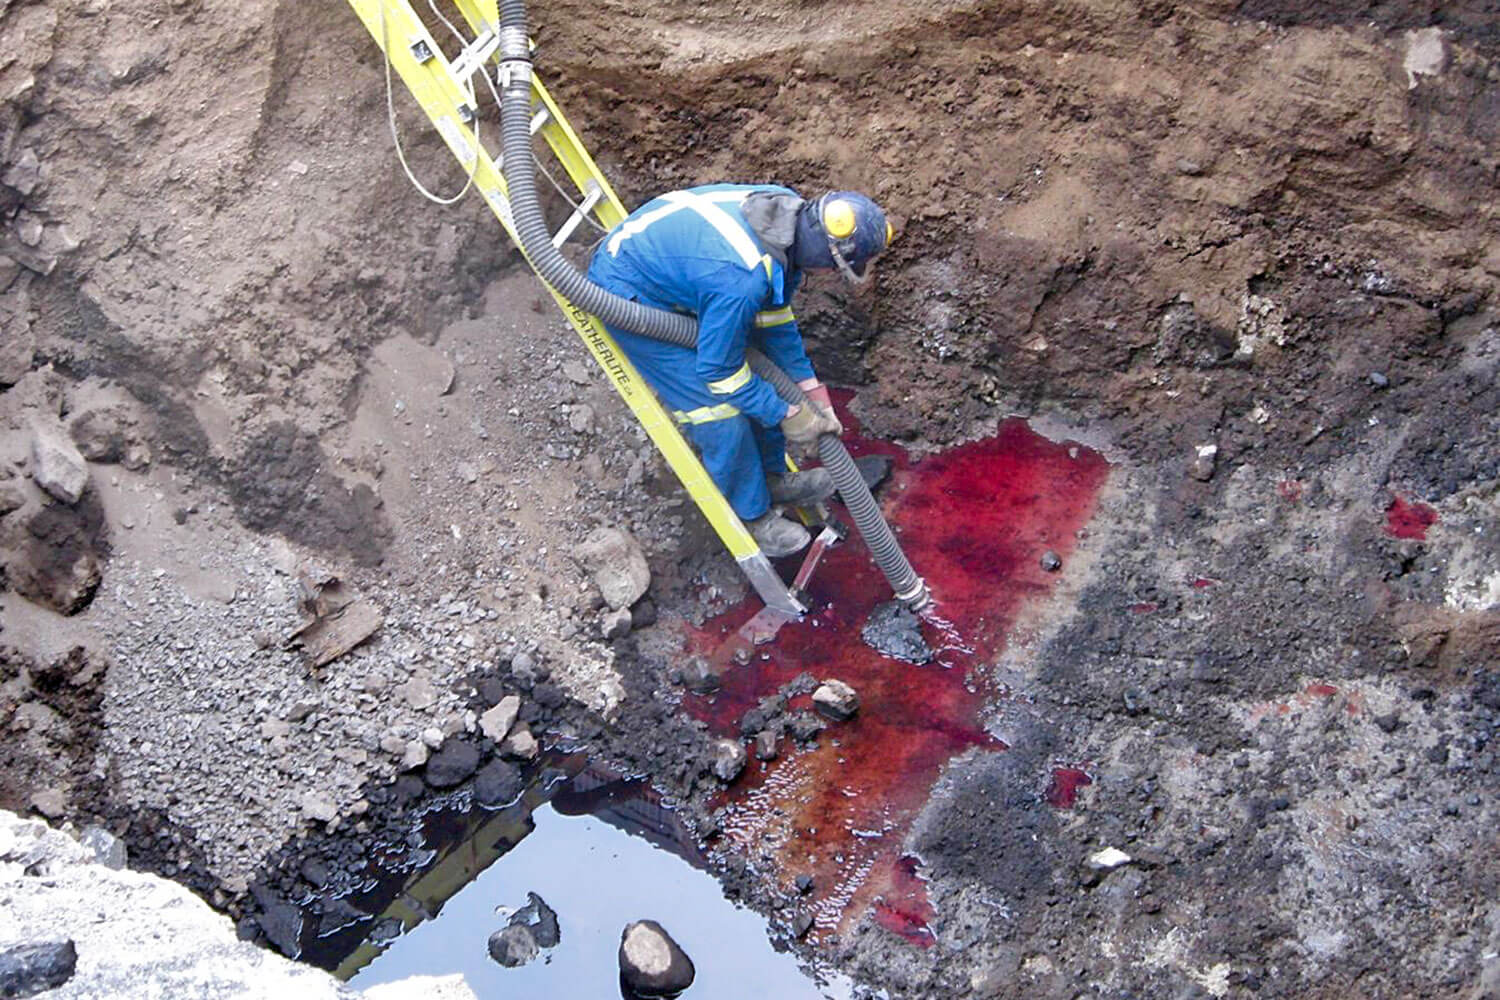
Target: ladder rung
{"x": 584, "y": 208}
{"x": 539, "y": 120}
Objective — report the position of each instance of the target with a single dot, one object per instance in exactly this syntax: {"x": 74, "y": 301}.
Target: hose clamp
{"x": 514, "y": 71}
{"x": 918, "y": 597}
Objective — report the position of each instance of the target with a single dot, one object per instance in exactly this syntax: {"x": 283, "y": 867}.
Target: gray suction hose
{"x": 675, "y": 328}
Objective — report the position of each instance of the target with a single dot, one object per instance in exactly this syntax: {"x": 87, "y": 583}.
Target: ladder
{"x": 446, "y": 91}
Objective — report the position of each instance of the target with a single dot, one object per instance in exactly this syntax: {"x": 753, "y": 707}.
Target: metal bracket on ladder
{"x": 472, "y": 59}
{"x": 579, "y": 214}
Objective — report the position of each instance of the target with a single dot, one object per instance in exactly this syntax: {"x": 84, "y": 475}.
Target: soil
{"x": 1242, "y": 251}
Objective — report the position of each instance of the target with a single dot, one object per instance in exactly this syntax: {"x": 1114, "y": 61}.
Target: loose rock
{"x": 520, "y": 744}
{"x": 836, "y": 700}
{"x": 496, "y": 723}
{"x": 729, "y": 759}
{"x": 617, "y": 565}
{"x": 454, "y": 763}
{"x": 56, "y": 465}
{"x": 615, "y": 624}
{"x": 497, "y": 784}
{"x": 651, "y": 963}
{"x": 29, "y": 969}
{"x": 1205, "y": 458}
{"x": 765, "y": 745}
{"x": 513, "y": 946}
{"x": 319, "y": 808}
{"x": 1051, "y": 561}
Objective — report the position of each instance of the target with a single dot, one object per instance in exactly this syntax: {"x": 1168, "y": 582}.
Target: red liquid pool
{"x": 974, "y": 521}
{"x": 1062, "y": 793}
{"x": 1409, "y": 520}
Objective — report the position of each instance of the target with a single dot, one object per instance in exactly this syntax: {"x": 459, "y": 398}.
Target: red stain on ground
{"x": 904, "y": 908}
{"x": 1322, "y": 690}
{"x": 1409, "y": 520}
{"x": 1144, "y": 608}
{"x": 1290, "y": 490}
{"x": 1062, "y": 792}
{"x": 1203, "y": 583}
{"x": 974, "y": 522}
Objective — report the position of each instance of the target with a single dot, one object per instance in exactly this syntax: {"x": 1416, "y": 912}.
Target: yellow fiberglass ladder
{"x": 446, "y": 91}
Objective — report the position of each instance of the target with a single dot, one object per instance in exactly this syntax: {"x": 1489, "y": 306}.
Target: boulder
{"x": 497, "y": 784}
{"x": 617, "y": 565}
{"x": 29, "y": 969}
{"x": 513, "y": 945}
{"x": 496, "y": 722}
{"x": 836, "y": 700}
{"x": 765, "y": 745}
{"x": 728, "y": 759}
{"x": 56, "y": 465}
{"x": 651, "y": 963}
{"x": 453, "y": 764}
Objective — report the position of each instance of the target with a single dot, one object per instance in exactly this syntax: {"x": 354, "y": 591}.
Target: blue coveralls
{"x": 693, "y": 252}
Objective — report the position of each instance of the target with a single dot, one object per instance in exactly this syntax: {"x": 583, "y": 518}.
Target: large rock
{"x": 651, "y": 963}
{"x": 497, "y": 784}
{"x": 56, "y": 464}
{"x": 29, "y": 969}
{"x": 617, "y": 565}
{"x": 836, "y": 700}
{"x": 452, "y": 764}
{"x": 513, "y": 945}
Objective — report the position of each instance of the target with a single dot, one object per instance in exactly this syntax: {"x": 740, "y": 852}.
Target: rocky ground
{"x": 1245, "y": 250}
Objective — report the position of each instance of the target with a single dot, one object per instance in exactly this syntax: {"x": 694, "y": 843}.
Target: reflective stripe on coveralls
{"x": 706, "y": 414}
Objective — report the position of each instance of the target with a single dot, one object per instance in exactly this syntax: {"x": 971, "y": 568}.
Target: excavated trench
{"x": 1191, "y": 302}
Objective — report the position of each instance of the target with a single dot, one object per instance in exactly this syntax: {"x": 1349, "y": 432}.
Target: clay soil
{"x": 1245, "y": 251}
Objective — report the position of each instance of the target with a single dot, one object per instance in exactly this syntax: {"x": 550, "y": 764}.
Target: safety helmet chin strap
{"x": 834, "y": 248}
{"x": 844, "y": 267}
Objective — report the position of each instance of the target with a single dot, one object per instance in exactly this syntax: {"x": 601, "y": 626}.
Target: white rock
{"x": 414, "y": 756}
{"x": 56, "y": 464}
{"x": 496, "y": 722}
{"x": 617, "y": 565}
{"x": 318, "y": 807}
{"x": 1108, "y": 859}
{"x": 520, "y": 744}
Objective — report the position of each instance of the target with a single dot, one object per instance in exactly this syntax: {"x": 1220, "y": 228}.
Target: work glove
{"x": 803, "y": 424}
{"x": 817, "y": 392}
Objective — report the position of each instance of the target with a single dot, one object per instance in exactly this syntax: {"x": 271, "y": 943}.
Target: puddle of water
{"x": 601, "y": 852}
{"x": 975, "y": 521}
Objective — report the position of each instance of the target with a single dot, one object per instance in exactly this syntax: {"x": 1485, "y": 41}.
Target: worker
{"x": 732, "y": 255}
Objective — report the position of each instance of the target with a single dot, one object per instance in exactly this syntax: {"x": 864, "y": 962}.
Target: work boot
{"x": 777, "y": 536}
{"x": 802, "y": 488}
